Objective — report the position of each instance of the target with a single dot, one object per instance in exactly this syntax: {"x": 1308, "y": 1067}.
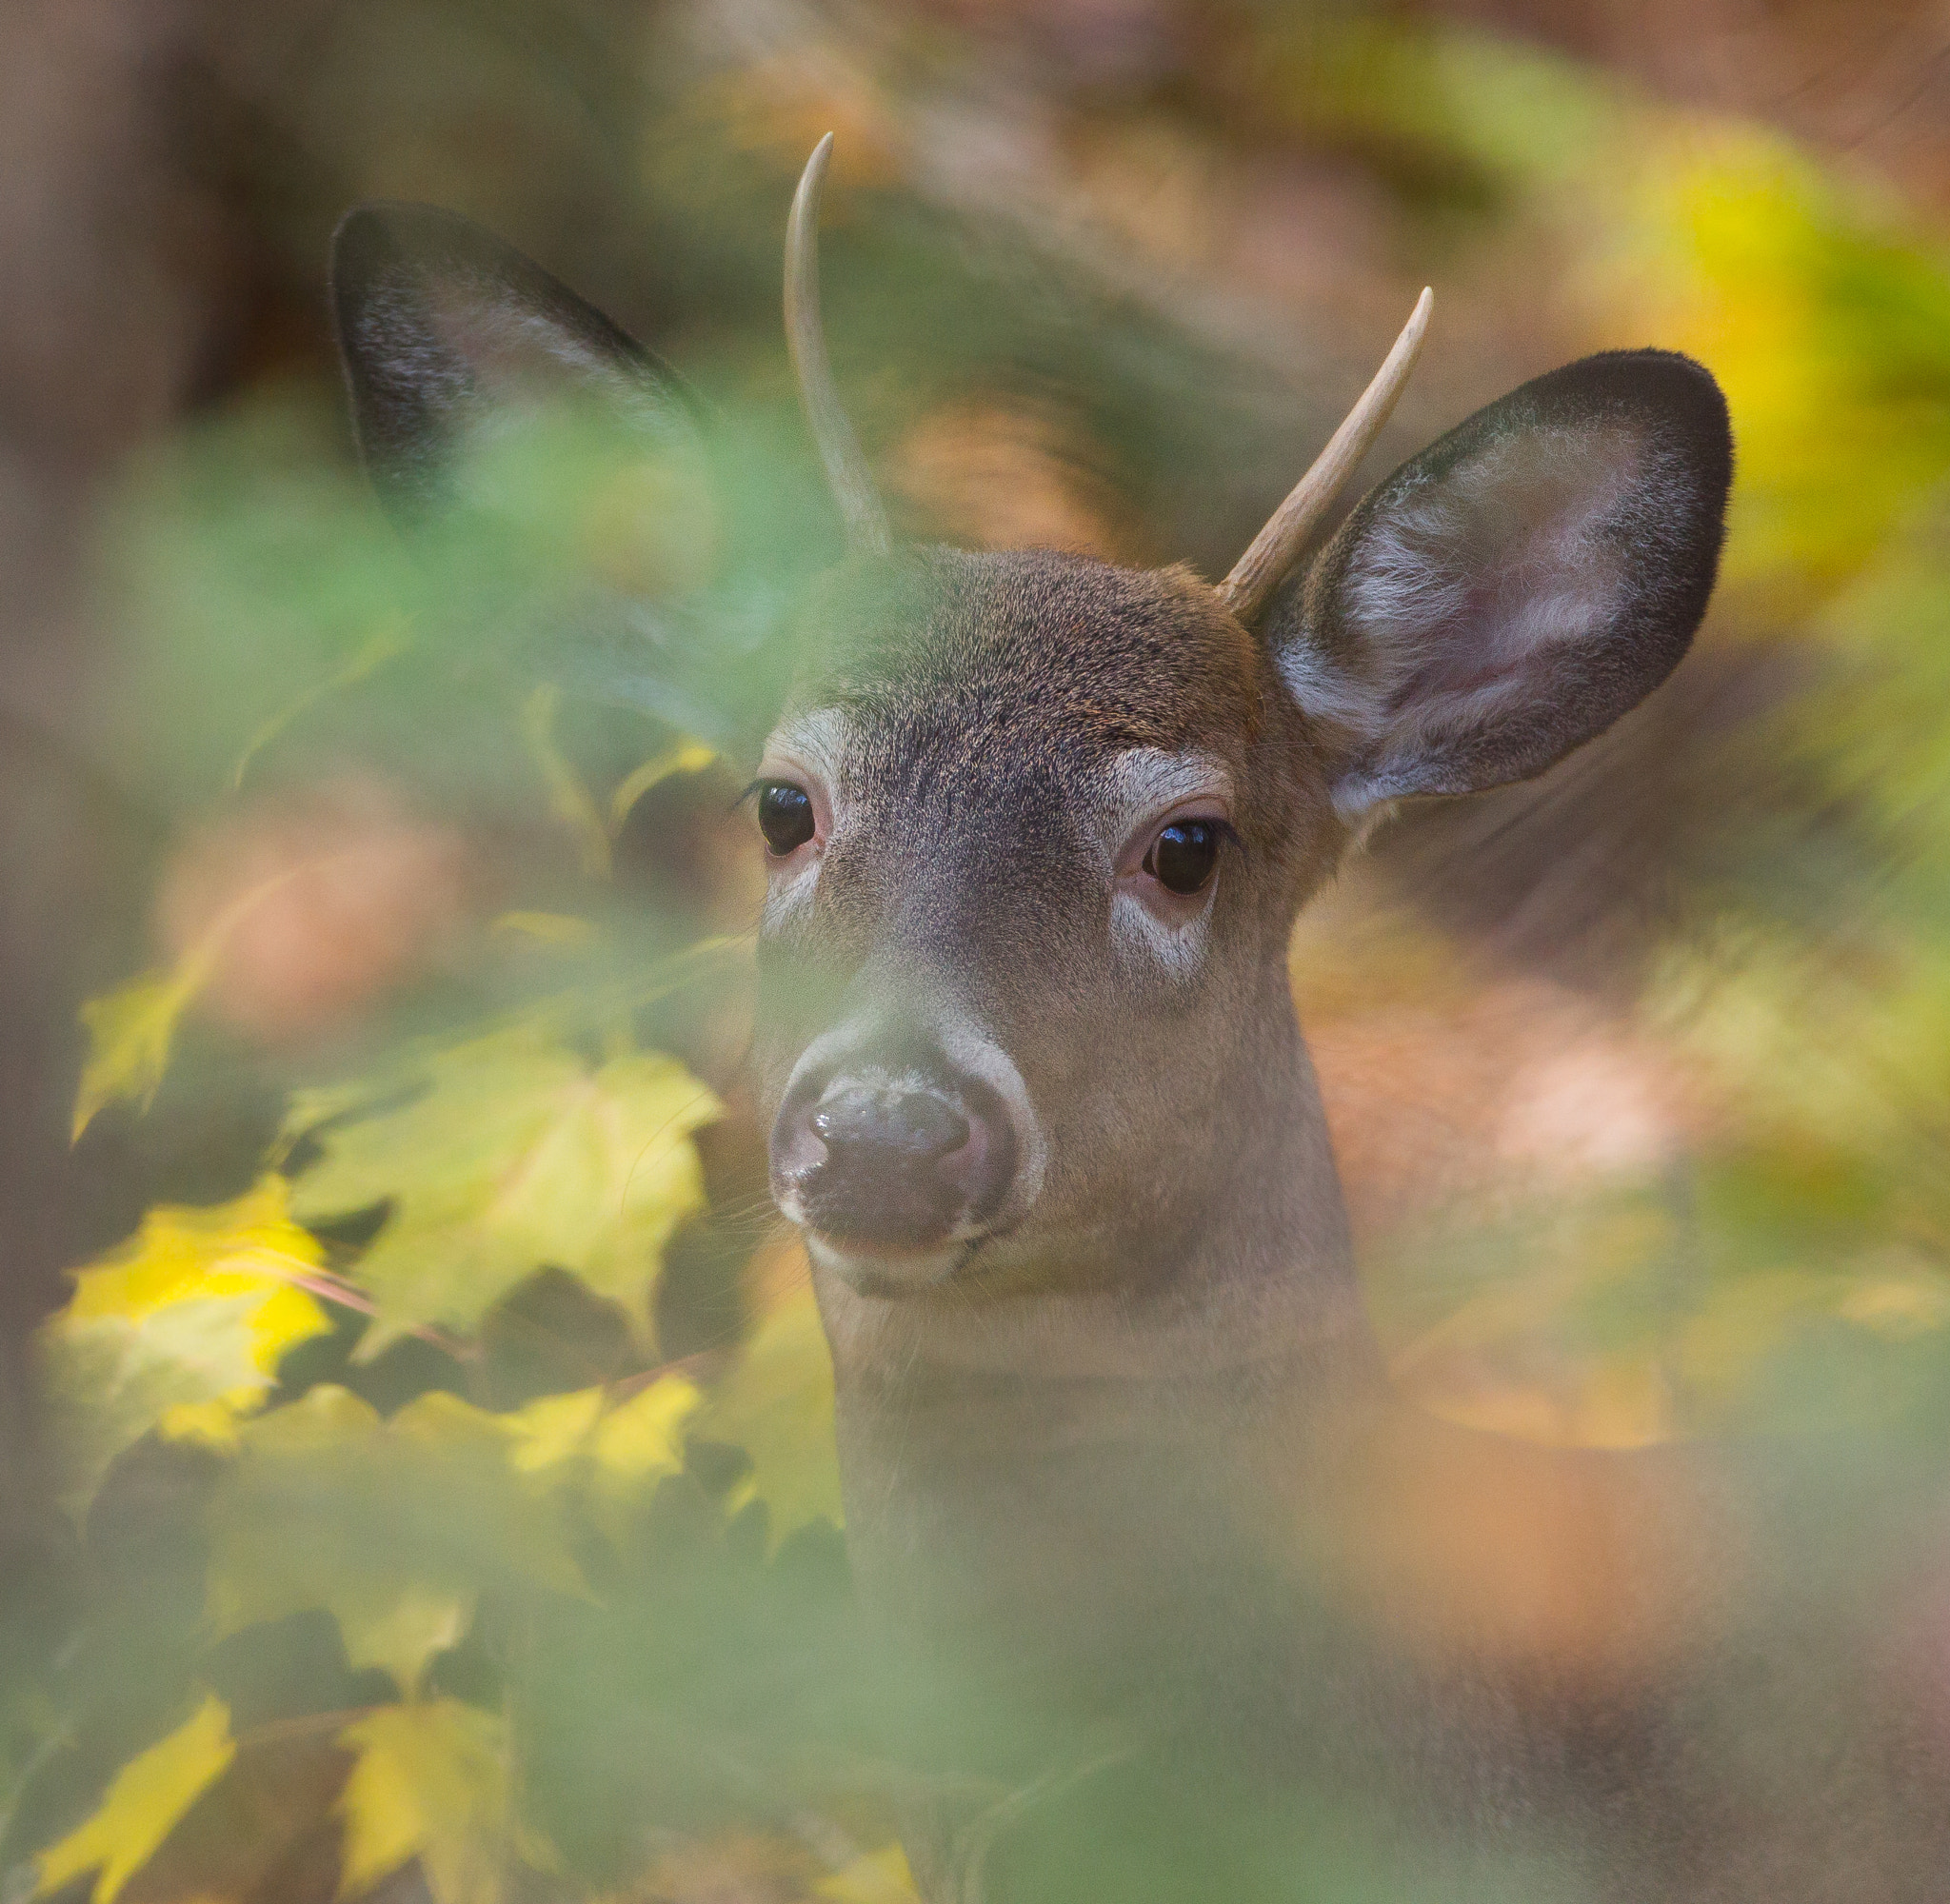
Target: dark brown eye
{"x": 1183, "y": 856}
{"x": 785, "y": 817}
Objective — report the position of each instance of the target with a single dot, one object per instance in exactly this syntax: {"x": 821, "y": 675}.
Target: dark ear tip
{"x": 382, "y": 231}
{"x": 1668, "y": 382}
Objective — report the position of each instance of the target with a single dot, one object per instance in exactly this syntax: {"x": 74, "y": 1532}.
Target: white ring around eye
{"x": 805, "y": 750}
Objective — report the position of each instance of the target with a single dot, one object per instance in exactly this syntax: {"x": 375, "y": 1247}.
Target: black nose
{"x": 891, "y": 1149}
{"x": 904, "y": 1123}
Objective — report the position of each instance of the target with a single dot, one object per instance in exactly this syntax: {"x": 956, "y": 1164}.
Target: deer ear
{"x": 1507, "y": 594}
{"x": 444, "y": 330}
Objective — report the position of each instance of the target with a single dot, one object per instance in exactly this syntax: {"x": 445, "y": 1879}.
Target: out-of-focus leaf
{"x": 632, "y": 1441}
{"x": 612, "y": 1455}
{"x": 129, "y": 1033}
{"x": 552, "y": 928}
{"x": 387, "y": 641}
{"x": 876, "y": 1878}
{"x": 395, "y": 1528}
{"x": 517, "y": 1154}
{"x": 144, "y": 1804}
{"x": 431, "y": 1781}
{"x": 182, "y": 1328}
{"x": 568, "y": 799}
{"x": 777, "y": 1404}
{"x": 687, "y": 757}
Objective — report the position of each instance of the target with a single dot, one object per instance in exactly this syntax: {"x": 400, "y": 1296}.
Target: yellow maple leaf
{"x": 430, "y": 1781}
{"x": 131, "y": 1029}
{"x": 875, "y": 1877}
{"x": 129, "y": 1033}
{"x": 684, "y": 758}
{"x": 143, "y": 1806}
{"x": 777, "y": 1404}
{"x": 518, "y": 1153}
{"x": 180, "y": 1328}
{"x": 616, "y": 1451}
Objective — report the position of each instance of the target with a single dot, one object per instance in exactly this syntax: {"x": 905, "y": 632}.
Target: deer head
{"x": 1037, "y": 827}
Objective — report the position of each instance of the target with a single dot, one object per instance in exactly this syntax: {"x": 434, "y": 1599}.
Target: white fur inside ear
{"x": 1458, "y": 592}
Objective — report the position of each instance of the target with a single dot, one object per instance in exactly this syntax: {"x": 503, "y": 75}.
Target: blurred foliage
{"x": 428, "y": 1465}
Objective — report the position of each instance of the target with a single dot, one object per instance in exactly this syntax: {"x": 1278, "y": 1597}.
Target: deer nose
{"x": 893, "y": 1156}
{"x": 862, "y": 1119}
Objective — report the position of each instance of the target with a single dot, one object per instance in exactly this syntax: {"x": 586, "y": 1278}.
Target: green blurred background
{"x": 1640, "y": 1075}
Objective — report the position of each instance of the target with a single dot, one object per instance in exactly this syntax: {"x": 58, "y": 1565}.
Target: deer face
{"x": 1036, "y": 828}
{"x": 1035, "y": 832}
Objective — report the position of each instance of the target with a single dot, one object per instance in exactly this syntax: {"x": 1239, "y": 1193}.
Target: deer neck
{"x": 1003, "y": 1455}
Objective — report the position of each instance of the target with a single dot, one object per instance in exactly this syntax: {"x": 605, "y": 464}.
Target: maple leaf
{"x": 181, "y": 1328}
{"x": 147, "y": 1799}
{"x": 130, "y": 1031}
{"x": 687, "y": 757}
{"x": 517, "y": 1154}
{"x": 614, "y": 1452}
{"x": 874, "y": 1877}
{"x": 777, "y": 1404}
{"x": 430, "y": 1781}
{"x": 396, "y": 1527}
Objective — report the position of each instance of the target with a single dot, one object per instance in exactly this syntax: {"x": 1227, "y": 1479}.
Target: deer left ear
{"x": 1507, "y": 594}
{"x": 446, "y": 332}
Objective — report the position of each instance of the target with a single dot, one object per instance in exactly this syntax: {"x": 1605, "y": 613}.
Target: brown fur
{"x": 1138, "y": 1461}
{"x": 1129, "y": 1469}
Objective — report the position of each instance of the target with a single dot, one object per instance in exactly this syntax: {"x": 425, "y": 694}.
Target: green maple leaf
{"x": 396, "y": 1528}
{"x": 777, "y": 1404}
{"x": 517, "y": 1153}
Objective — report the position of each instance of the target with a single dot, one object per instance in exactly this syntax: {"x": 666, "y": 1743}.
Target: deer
{"x": 1120, "y": 1453}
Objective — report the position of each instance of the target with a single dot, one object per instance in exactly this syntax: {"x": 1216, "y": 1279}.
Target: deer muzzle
{"x": 894, "y": 1158}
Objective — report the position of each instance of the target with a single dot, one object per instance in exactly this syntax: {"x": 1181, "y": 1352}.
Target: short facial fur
{"x": 1010, "y": 1040}
{"x": 1038, "y": 1099}
{"x": 1009, "y": 729}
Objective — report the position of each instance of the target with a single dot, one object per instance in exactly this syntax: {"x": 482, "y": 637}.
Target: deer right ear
{"x": 445, "y": 332}
{"x": 1507, "y": 594}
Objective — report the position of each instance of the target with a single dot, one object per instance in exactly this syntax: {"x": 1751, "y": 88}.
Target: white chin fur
{"x": 875, "y": 1275}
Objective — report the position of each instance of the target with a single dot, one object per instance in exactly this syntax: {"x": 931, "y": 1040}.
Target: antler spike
{"x": 1259, "y": 571}
{"x": 832, "y": 435}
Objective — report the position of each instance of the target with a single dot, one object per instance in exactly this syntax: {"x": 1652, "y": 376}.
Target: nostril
{"x": 914, "y": 1125}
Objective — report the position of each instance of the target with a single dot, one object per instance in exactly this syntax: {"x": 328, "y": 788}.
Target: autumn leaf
{"x": 133, "y": 1029}
{"x": 568, "y": 799}
{"x": 181, "y": 1328}
{"x": 684, "y": 758}
{"x": 144, "y": 1804}
{"x": 394, "y": 1527}
{"x": 430, "y": 1781}
{"x": 130, "y": 1031}
{"x": 777, "y": 1404}
{"x": 875, "y": 1877}
{"x": 517, "y": 1154}
{"x": 613, "y": 1451}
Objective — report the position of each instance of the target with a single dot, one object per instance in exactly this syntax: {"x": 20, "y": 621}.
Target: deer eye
{"x": 1183, "y": 856}
{"x": 785, "y": 817}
